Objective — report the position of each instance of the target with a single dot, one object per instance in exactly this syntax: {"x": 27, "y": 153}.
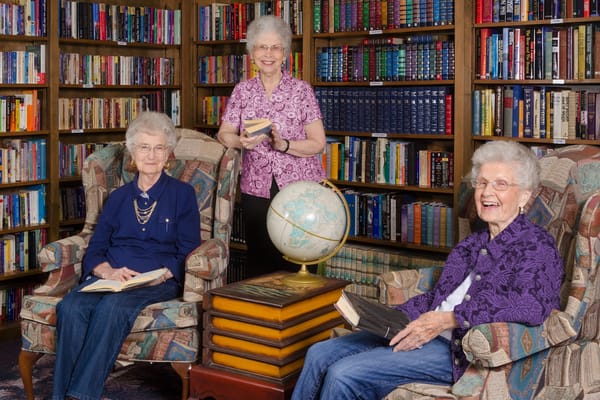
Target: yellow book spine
{"x": 268, "y": 351}
{"x": 271, "y": 333}
{"x": 257, "y": 367}
{"x": 271, "y": 313}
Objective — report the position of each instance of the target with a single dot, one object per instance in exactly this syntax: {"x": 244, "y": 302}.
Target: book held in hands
{"x": 370, "y": 316}
{"x": 258, "y": 126}
{"x": 109, "y": 285}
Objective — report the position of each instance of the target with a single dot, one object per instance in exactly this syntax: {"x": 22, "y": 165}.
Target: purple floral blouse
{"x": 517, "y": 279}
{"x": 292, "y": 106}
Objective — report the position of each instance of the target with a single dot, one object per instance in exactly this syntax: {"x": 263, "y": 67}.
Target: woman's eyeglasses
{"x": 498, "y": 184}
{"x": 146, "y": 149}
{"x": 264, "y": 49}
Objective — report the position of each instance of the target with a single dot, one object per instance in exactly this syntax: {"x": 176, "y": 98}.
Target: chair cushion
{"x": 158, "y": 323}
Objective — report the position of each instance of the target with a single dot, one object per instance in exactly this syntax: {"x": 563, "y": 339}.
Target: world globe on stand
{"x": 308, "y": 222}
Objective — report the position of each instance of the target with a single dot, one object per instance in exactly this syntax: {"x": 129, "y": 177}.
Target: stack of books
{"x": 262, "y": 327}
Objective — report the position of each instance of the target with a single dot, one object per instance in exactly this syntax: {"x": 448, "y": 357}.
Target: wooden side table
{"x": 212, "y": 383}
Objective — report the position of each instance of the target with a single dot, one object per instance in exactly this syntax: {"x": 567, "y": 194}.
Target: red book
{"x": 449, "y": 114}
{"x": 484, "y": 34}
{"x": 487, "y": 10}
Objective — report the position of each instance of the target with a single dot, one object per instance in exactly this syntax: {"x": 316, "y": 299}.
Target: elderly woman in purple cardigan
{"x": 509, "y": 272}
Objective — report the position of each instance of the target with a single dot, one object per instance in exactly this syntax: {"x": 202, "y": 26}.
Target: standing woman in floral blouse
{"x": 297, "y": 137}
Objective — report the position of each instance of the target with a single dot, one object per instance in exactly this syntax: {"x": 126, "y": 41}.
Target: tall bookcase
{"x": 393, "y": 79}
{"x": 92, "y": 65}
{"x": 25, "y": 133}
{"x": 536, "y": 73}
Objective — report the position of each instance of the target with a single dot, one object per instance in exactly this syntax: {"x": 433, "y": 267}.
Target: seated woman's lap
{"x": 364, "y": 366}
{"x": 126, "y": 304}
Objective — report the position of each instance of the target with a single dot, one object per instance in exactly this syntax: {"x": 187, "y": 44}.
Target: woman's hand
{"x": 250, "y": 142}
{"x": 422, "y": 330}
{"x": 105, "y": 271}
{"x": 277, "y": 142}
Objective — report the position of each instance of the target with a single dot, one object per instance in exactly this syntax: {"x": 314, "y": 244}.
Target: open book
{"x": 109, "y": 285}
{"x": 258, "y": 126}
{"x": 376, "y": 318}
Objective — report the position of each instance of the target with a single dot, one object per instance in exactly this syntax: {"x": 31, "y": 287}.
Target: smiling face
{"x": 268, "y": 53}
{"x": 150, "y": 153}
{"x": 498, "y": 207}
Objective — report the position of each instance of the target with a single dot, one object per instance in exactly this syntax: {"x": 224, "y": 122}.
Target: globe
{"x": 308, "y": 222}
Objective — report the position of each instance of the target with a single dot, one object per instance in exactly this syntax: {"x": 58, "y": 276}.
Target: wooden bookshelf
{"x": 393, "y": 36}
{"x": 559, "y": 64}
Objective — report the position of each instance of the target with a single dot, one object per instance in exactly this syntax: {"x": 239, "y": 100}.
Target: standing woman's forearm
{"x": 313, "y": 144}
{"x": 228, "y": 136}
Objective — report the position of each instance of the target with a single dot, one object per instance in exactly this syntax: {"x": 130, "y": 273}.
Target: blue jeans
{"x": 363, "y": 366}
{"x": 90, "y": 329}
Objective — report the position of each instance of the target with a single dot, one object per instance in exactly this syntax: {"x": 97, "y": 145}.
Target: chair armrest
{"x": 493, "y": 345}
{"x": 395, "y": 287}
{"x": 205, "y": 268}
{"x": 62, "y": 259}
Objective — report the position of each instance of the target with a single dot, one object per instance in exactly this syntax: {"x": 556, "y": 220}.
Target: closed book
{"x": 254, "y": 368}
{"x": 259, "y": 126}
{"x": 371, "y": 316}
{"x": 271, "y": 298}
{"x": 275, "y": 355}
{"x": 267, "y": 332}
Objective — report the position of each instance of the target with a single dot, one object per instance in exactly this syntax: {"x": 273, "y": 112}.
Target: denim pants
{"x": 90, "y": 329}
{"x": 363, "y": 366}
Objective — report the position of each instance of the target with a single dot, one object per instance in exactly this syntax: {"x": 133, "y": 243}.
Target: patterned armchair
{"x": 163, "y": 332}
{"x": 561, "y": 358}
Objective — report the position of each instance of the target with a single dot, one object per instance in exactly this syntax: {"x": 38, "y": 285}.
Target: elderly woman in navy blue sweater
{"x": 149, "y": 223}
{"x": 509, "y": 272}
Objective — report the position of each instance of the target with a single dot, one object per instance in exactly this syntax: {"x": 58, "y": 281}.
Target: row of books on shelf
{"x": 72, "y": 155}
{"x": 393, "y": 217}
{"x": 96, "y": 69}
{"x": 362, "y": 264}
{"x": 18, "y": 251}
{"x": 414, "y": 58}
{"x": 236, "y": 269}
{"x": 410, "y": 109}
{"x": 537, "y": 112}
{"x": 238, "y": 230}
{"x": 26, "y": 18}
{"x": 347, "y": 16}
{"x": 25, "y": 207}
{"x": 11, "y": 300}
{"x": 234, "y": 68}
{"x": 22, "y": 160}
{"x": 72, "y": 203}
{"x": 221, "y": 21}
{"x": 115, "y": 112}
{"x": 20, "y": 111}
{"x": 533, "y": 10}
{"x": 122, "y": 23}
{"x": 541, "y": 52}
{"x": 26, "y": 66}
{"x": 387, "y": 161}
{"x": 213, "y": 108}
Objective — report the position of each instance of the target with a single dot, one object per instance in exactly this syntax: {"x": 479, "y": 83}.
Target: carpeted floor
{"x": 138, "y": 381}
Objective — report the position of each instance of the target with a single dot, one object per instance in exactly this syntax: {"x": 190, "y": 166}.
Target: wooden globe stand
{"x": 304, "y": 277}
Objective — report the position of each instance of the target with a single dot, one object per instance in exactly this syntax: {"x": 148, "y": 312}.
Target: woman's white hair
{"x": 152, "y": 123}
{"x": 524, "y": 161}
{"x": 269, "y": 24}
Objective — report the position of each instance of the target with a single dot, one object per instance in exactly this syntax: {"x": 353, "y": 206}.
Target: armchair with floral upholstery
{"x": 163, "y": 332}
{"x": 561, "y": 358}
